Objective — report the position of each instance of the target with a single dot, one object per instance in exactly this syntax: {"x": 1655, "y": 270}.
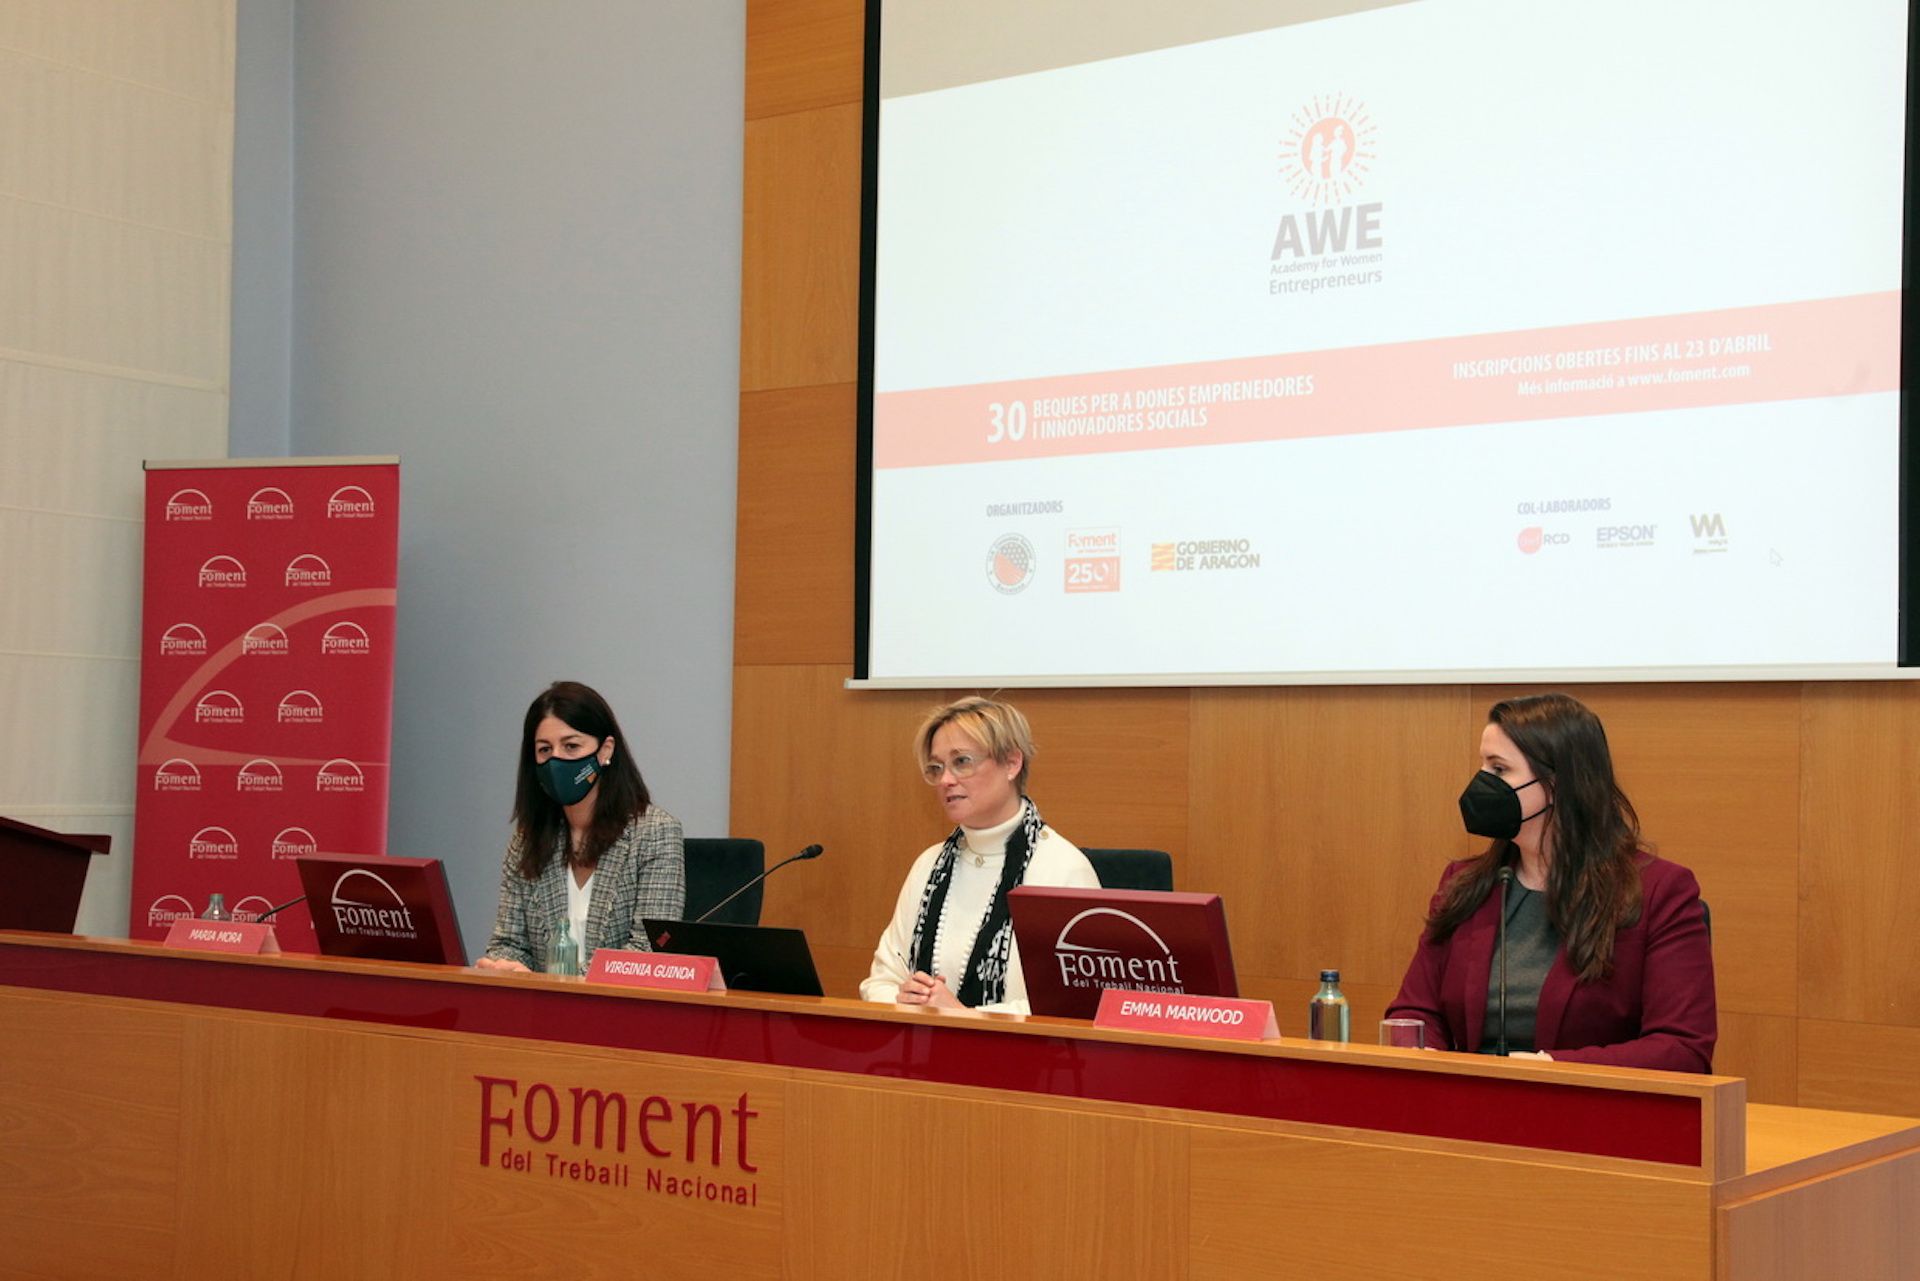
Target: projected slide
{"x": 1433, "y": 338}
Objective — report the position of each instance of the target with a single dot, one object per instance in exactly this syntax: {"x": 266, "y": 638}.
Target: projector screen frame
{"x": 1907, "y": 639}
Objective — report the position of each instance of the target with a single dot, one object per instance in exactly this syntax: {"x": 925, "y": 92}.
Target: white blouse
{"x": 976, "y": 874}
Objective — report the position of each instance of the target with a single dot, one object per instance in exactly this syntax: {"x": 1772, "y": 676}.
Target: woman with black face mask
{"x": 590, "y": 851}
{"x": 1607, "y": 958}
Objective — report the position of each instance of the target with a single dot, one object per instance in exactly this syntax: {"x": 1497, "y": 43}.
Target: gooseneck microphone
{"x": 273, "y": 911}
{"x": 1505, "y": 878}
{"x": 812, "y": 851}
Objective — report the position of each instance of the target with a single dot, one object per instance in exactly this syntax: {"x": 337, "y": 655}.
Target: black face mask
{"x": 1490, "y": 808}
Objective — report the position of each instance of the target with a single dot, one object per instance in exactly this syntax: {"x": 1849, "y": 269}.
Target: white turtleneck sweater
{"x": 976, "y": 874}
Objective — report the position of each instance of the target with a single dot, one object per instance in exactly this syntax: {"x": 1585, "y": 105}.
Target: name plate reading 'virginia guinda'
{"x": 656, "y": 969}
{"x": 251, "y": 938}
{"x": 1222, "y": 1016}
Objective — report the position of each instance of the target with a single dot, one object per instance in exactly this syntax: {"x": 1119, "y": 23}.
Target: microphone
{"x": 283, "y": 907}
{"x": 812, "y": 851}
{"x": 1505, "y": 878}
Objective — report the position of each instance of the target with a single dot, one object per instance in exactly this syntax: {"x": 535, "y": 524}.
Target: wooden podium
{"x": 42, "y": 874}
{"x": 189, "y": 1115}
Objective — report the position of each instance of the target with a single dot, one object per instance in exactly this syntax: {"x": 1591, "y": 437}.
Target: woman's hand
{"x": 922, "y": 988}
{"x": 500, "y": 964}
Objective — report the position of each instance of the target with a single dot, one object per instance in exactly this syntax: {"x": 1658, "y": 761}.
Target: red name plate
{"x": 656, "y": 969}
{"x": 250, "y": 937}
{"x": 1220, "y": 1016}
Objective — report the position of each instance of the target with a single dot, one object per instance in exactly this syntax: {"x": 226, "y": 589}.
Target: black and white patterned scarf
{"x": 985, "y": 982}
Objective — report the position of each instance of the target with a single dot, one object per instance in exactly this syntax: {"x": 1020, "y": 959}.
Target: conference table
{"x": 167, "y": 1113}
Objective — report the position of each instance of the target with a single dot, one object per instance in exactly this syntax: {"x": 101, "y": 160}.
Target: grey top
{"x": 644, "y": 873}
{"x": 1532, "y": 943}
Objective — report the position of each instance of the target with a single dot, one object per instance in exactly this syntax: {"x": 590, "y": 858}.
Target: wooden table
{"x": 177, "y": 1114}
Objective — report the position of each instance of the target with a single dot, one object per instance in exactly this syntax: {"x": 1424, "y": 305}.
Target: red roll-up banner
{"x": 266, "y": 681}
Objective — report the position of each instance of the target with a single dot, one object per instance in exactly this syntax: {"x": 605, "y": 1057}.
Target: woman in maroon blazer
{"x": 1608, "y": 959}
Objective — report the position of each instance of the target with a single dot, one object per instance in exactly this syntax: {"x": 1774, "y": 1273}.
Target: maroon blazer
{"x": 1655, "y": 1010}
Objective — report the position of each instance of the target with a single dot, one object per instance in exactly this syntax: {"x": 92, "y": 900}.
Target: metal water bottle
{"x": 1327, "y": 1013}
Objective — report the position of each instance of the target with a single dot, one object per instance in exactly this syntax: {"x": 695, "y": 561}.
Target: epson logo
{"x": 1133, "y": 957}
{"x": 183, "y": 640}
{"x": 223, "y": 571}
{"x": 309, "y": 571}
{"x": 219, "y": 707}
{"x": 189, "y": 504}
{"x": 340, "y": 775}
{"x": 270, "y": 503}
{"x": 346, "y": 638}
{"x": 267, "y": 639}
{"x": 371, "y": 916}
{"x": 259, "y": 775}
{"x": 350, "y": 502}
{"x": 1608, "y": 537}
{"x": 294, "y": 842}
{"x": 167, "y": 909}
{"x": 300, "y": 707}
{"x": 176, "y": 774}
{"x": 213, "y": 842}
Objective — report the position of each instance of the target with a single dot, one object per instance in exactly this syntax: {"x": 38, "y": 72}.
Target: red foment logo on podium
{"x": 270, "y": 503}
{"x": 309, "y": 570}
{"x": 362, "y": 908}
{"x": 189, "y": 504}
{"x": 301, "y": 707}
{"x": 219, "y": 707}
{"x": 183, "y": 640}
{"x": 259, "y": 775}
{"x": 265, "y": 638}
{"x": 350, "y": 502}
{"x": 222, "y": 571}
{"x": 176, "y": 774}
{"x": 1139, "y": 958}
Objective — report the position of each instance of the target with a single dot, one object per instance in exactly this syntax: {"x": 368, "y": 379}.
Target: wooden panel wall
{"x": 1324, "y": 815}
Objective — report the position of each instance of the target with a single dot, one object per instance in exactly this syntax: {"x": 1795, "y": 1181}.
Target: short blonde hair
{"x": 999, "y": 727}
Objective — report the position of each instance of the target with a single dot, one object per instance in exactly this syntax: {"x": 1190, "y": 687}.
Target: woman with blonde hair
{"x": 950, "y": 942}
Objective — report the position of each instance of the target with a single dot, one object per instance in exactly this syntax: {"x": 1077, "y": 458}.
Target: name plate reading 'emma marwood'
{"x": 1221, "y": 1016}
{"x": 251, "y": 938}
{"x": 656, "y": 969}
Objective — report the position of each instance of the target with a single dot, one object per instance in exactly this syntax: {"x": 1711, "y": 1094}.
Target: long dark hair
{"x": 1593, "y": 878}
{"x": 621, "y": 796}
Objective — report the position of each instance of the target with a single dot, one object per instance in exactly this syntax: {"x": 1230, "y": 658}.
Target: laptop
{"x": 753, "y": 958}
{"x": 1076, "y": 943}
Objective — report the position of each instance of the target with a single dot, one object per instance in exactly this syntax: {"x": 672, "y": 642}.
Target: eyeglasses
{"x": 961, "y": 766}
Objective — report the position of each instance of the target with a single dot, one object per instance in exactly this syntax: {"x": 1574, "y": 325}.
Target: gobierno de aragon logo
{"x": 1328, "y": 149}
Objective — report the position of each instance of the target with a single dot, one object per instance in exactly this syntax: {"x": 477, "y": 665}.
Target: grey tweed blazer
{"x": 644, "y": 873}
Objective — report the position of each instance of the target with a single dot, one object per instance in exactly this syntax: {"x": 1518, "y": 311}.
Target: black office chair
{"x": 716, "y": 867}
{"x": 1132, "y": 869}
{"x": 1706, "y": 919}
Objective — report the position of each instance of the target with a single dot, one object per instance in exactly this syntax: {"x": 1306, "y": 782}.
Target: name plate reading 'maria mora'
{"x": 250, "y": 938}
{"x": 667, "y": 970}
{"x": 1226, "y": 1017}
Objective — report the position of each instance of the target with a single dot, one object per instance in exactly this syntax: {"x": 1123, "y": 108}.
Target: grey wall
{"x": 261, "y": 374}
{"x": 516, "y": 264}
